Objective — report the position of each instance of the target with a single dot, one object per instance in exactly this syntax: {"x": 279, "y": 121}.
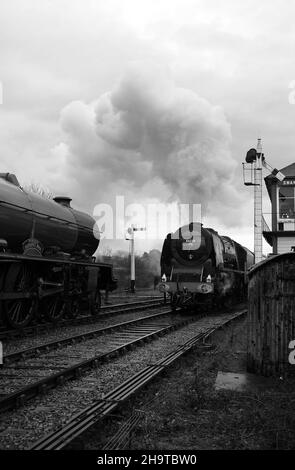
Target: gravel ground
{"x": 21, "y": 428}
{"x": 121, "y": 296}
{"x": 65, "y": 331}
{"x": 183, "y": 410}
{"x": 31, "y": 369}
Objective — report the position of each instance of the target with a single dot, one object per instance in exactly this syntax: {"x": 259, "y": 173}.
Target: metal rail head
{"x": 124, "y": 435}
{"x": 106, "y": 310}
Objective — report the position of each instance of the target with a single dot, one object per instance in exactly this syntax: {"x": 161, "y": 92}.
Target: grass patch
{"x": 187, "y": 412}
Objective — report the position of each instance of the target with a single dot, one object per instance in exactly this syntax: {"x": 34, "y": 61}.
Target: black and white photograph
{"x": 147, "y": 231}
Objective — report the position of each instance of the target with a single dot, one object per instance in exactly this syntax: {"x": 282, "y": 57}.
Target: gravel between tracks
{"x": 62, "y": 332}
{"x": 29, "y": 370}
{"x": 21, "y": 428}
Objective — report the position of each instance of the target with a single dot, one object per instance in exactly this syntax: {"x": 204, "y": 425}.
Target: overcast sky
{"x": 155, "y": 100}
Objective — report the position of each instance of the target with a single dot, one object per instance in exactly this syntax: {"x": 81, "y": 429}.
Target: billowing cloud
{"x": 147, "y": 128}
{"x": 150, "y": 136}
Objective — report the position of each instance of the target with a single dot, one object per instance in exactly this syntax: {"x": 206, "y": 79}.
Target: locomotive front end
{"x": 188, "y": 264}
{"x": 203, "y": 268}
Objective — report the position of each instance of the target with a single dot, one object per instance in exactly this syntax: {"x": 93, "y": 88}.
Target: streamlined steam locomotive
{"x": 202, "y": 268}
{"x": 46, "y": 263}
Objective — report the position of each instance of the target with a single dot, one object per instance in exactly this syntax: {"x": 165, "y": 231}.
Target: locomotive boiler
{"x": 47, "y": 268}
{"x": 202, "y": 268}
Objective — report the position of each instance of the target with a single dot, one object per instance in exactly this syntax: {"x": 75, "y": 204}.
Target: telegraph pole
{"x": 131, "y": 231}
{"x": 258, "y": 203}
{"x": 252, "y": 170}
{"x": 132, "y": 263}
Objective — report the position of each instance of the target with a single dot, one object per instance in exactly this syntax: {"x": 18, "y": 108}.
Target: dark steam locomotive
{"x": 200, "y": 267}
{"x": 46, "y": 263}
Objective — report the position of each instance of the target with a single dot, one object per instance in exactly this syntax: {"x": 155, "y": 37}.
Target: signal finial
{"x": 259, "y": 146}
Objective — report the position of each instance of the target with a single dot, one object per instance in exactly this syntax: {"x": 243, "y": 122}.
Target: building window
{"x": 286, "y": 203}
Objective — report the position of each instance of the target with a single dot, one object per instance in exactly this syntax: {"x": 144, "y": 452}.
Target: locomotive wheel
{"x": 74, "y": 307}
{"x": 174, "y": 301}
{"x": 19, "y": 312}
{"x": 95, "y": 302}
{"x": 54, "y": 307}
{"x": 2, "y": 279}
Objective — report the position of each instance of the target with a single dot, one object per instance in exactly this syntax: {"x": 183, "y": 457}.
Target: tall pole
{"x": 255, "y": 162}
{"x": 131, "y": 231}
{"x": 132, "y": 261}
{"x": 258, "y": 204}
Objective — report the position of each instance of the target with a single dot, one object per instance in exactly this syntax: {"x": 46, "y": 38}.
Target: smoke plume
{"x": 146, "y": 133}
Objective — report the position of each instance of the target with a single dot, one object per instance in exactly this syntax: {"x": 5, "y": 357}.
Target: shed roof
{"x": 288, "y": 171}
{"x": 271, "y": 259}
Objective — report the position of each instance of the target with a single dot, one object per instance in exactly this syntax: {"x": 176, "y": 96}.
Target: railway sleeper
{"x": 20, "y": 401}
{"x": 78, "y": 372}
{"x": 60, "y": 380}
{"x": 42, "y": 389}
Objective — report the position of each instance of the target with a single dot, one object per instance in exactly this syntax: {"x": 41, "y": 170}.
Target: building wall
{"x": 285, "y": 244}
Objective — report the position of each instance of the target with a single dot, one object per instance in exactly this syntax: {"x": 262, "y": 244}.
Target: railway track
{"x": 18, "y": 376}
{"x": 73, "y": 339}
{"x": 84, "y": 420}
{"x": 106, "y": 311}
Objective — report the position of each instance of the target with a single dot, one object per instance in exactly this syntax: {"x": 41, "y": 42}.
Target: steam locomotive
{"x": 46, "y": 265}
{"x": 202, "y": 268}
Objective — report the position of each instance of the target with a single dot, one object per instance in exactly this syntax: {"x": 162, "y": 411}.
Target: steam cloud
{"x": 149, "y": 130}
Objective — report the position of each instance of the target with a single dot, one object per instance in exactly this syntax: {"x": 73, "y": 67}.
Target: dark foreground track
{"x": 68, "y": 360}
{"x": 73, "y": 339}
{"x": 84, "y": 420}
{"x": 106, "y": 311}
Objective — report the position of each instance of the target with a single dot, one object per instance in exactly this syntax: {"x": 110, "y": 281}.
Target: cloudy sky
{"x": 154, "y": 100}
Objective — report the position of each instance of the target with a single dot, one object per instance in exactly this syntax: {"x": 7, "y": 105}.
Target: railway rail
{"x": 129, "y": 335}
{"x": 106, "y": 311}
{"x": 52, "y": 345}
{"x": 84, "y": 420}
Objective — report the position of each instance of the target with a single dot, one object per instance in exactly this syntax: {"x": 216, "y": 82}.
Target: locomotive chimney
{"x": 63, "y": 200}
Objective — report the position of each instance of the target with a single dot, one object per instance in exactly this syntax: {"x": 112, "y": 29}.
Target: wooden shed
{"x": 271, "y": 315}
